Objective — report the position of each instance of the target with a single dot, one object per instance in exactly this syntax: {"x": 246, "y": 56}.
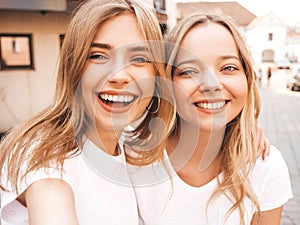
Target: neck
{"x": 107, "y": 140}
{"x": 195, "y": 147}
{"x": 194, "y": 154}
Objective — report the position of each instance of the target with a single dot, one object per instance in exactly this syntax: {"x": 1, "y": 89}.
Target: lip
{"x": 116, "y": 101}
{"x": 210, "y": 106}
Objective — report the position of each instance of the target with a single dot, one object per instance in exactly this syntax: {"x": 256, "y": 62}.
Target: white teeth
{"x": 117, "y": 98}
{"x": 211, "y": 105}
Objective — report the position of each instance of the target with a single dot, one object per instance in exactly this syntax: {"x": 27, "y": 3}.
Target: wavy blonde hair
{"x": 57, "y": 131}
{"x": 238, "y": 151}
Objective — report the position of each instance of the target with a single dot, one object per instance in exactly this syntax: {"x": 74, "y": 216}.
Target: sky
{"x": 287, "y": 10}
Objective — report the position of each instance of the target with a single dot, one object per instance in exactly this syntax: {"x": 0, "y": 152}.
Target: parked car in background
{"x": 293, "y": 82}
{"x": 283, "y": 64}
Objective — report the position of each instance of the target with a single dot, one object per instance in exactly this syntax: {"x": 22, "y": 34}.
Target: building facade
{"x": 267, "y": 39}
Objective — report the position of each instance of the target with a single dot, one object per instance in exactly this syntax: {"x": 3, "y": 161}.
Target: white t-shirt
{"x": 178, "y": 203}
{"x": 102, "y": 190}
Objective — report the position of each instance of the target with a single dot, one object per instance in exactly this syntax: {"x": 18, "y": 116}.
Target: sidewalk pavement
{"x": 280, "y": 119}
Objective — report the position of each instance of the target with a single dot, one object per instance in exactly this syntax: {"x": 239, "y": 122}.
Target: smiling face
{"x": 119, "y": 78}
{"x": 209, "y": 81}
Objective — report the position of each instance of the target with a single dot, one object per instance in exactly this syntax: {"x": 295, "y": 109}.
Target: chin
{"x": 214, "y": 125}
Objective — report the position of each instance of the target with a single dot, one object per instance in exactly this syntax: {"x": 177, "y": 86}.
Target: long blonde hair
{"x": 238, "y": 151}
{"x": 57, "y": 131}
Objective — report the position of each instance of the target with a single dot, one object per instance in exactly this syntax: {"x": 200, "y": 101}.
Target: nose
{"x": 210, "y": 83}
{"x": 119, "y": 76}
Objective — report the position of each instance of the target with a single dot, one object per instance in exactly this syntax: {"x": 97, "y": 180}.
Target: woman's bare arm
{"x": 50, "y": 202}
{"x": 270, "y": 217}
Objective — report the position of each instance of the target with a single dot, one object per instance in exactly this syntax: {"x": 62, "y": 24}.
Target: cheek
{"x": 179, "y": 91}
{"x": 147, "y": 92}
{"x": 144, "y": 81}
{"x": 87, "y": 99}
{"x": 181, "y": 96}
{"x": 91, "y": 81}
{"x": 144, "y": 78}
{"x": 240, "y": 89}
{"x": 183, "y": 90}
{"x": 93, "y": 74}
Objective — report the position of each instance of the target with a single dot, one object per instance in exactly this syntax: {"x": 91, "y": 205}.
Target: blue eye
{"x": 230, "y": 68}
{"x": 98, "y": 58}
{"x": 188, "y": 72}
{"x": 140, "y": 59}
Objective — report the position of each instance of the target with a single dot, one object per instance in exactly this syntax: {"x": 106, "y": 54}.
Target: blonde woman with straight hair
{"x": 66, "y": 165}
{"x": 217, "y": 177}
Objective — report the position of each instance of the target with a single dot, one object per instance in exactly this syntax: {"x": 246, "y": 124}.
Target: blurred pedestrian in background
{"x": 259, "y": 76}
{"x": 269, "y": 74}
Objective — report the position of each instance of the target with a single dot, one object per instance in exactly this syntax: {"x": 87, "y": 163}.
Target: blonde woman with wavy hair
{"x": 217, "y": 177}
{"x": 66, "y": 165}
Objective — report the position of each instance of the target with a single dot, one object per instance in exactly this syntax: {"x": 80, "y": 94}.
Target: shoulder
{"x": 273, "y": 159}
{"x": 25, "y": 180}
{"x": 41, "y": 197}
{"x": 50, "y": 189}
{"x": 271, "y": 180}
{"x": 49, "y": 197}
{"x": 274, "y": 163}
{"x": 273, "y": 166}
{"x": 272, "y": 169}
{"x": 44, "y": 185}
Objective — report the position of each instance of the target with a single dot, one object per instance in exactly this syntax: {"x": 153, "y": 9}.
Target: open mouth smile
{"x": 211, "y": 105}
{"x": 115, "y": 102}
{"x": 122, "y": 99}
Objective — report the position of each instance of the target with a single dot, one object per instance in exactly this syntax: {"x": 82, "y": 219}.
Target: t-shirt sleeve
{"x": 13, "y": 212}
{"x": 275, "y": 187}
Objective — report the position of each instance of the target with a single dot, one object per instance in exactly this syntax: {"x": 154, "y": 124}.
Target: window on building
{"x": 267, "y": 56}
{"x": 16, "y": 51}
{"x": 270, "y": 38}
{"x": 160, "y": 4}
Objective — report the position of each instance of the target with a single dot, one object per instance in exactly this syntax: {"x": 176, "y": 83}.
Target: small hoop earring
{"x": 152, "y": 104}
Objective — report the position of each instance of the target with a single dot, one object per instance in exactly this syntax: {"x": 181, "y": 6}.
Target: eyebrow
{"x": 230, "y": 57}
{"x": 102, "y": 45}
{"x": 109, "y": 47}
{"x": 188, "y": 61}
{"x": 139, "y": 49}
{"x": 192, "y": 60}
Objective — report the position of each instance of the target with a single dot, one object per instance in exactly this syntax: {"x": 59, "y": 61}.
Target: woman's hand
{"x": 262, "y": 143}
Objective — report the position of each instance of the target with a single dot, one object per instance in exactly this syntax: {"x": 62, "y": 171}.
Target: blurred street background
{"x": 280, "y": 119}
